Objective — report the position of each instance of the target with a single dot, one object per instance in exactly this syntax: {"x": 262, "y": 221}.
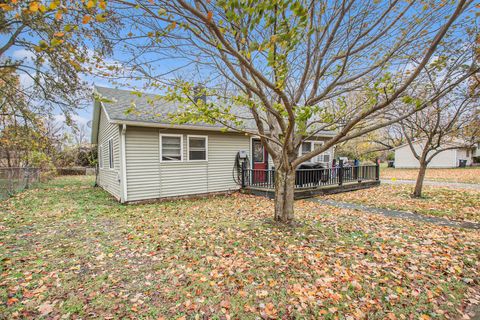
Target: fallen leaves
{"x": 462, "y": 175}
{"x": 45, "y": 308}
{"x": 224, "y": 258}
{"x": 455, "y": 204}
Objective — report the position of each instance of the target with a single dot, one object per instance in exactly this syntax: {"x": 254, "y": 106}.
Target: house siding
{"x": 107, "y": 178}
{"x": 404, "y": 158}
{"x": 142, "y": 163}
{"x": 149, "y": 178}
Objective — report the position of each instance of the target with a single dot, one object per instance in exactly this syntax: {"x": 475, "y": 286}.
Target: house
{"x": 142, "y": 156}
{"x": 476, "y": 154}
{"x": 451, "y": 158}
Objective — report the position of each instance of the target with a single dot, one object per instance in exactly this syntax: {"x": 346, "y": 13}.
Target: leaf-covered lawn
{"x": 70, "y": 251}
{"x": 465, "y": 175}
{"x": 454, "y": 204}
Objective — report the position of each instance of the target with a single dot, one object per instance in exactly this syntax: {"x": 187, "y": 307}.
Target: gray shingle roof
{"x": 125, "y": 105}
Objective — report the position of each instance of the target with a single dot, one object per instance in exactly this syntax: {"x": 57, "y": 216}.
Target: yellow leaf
{"x": 86, "y": 19}
{"x": 58, "y": 15}
{"x": 6, "y": 7}
{"x": 90, "y": 4}
{"x": 59, "y": 34}
{"x": 34, "y": 6}
{"x": 100, "y": 18}
{"x": 53, "y": 5}
{"x": 103, "y": 5}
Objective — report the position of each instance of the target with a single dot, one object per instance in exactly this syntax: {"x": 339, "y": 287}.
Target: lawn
{"x": 70, "y": 251}
{"x": 465, "y": 175}
{"x": 454, "y": 204}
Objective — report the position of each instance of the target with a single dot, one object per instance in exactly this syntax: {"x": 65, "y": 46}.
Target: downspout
{"x": 124, "y": 164}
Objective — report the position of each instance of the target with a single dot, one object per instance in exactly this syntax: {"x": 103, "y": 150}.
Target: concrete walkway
{"x": 399, "y": 214}
{"x": 458, "y": 185}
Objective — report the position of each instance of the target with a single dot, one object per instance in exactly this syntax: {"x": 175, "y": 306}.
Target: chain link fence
{"x": 13, "y": 180}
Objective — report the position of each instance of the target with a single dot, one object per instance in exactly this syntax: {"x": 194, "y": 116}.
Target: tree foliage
{"x": 50, "y": 44}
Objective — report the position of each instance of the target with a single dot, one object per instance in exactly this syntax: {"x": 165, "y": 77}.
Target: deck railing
{"x": 312, "y": 178}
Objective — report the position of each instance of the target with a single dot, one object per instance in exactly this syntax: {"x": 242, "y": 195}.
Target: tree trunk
{"x": 417, "y": 193}
{"x": 284, "y": 194}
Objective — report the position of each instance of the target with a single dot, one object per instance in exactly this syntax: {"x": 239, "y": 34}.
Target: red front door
{"x": 260, "y": 162}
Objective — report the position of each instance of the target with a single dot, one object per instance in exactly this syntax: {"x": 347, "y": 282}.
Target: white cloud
{"x": 77, "y": 119}
{"x": 23, "y": 54}
{"x": 26, "y": 81}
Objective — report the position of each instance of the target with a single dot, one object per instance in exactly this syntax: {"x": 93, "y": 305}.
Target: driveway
{"x": 459, "y": 185}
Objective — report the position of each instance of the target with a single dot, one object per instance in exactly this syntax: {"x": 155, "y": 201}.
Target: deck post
{"x": 377, "y": 170}
{"x": 340, "y": 172}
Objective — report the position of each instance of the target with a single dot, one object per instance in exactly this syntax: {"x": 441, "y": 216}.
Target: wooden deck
{"x": 303, "y": 193}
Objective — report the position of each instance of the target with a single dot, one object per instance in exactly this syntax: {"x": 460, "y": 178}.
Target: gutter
{"x": 187, "y": 127}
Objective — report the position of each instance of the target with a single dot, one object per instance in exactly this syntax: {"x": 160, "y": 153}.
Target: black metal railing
{"x": 312, "y": 178}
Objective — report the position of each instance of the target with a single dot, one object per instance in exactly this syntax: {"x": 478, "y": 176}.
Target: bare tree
{"x": 291, "y": 65}
{"x": 446, "y": 124}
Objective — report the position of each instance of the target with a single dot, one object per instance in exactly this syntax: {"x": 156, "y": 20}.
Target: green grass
{"x": 70, "y": 250}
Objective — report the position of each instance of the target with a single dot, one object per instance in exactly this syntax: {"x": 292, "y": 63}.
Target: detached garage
{"x": 451, "y": 158}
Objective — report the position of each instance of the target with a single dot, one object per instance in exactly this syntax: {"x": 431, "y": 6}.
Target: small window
{"x": 100, "y": 156}
{"x": 468, "y": 152}
{"x": 171, "y": 147}
{"x": 306, "y": 148}
{"x": 110, "y": 154}
{"x": 197, "y": 148}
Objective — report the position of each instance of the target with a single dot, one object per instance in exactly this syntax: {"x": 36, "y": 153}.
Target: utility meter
{"x": 242, "y": 154}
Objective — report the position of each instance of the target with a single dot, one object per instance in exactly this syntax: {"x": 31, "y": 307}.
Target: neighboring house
{"x": 404, "y": 157}
{"x": 476, "y": 153}
{"x": 142, "y": 156}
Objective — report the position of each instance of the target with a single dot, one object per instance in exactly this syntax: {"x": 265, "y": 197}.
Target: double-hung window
{"x": 171, "y": 147}
{"x": 197, "y": 148}
{"x": 308, "y": 146}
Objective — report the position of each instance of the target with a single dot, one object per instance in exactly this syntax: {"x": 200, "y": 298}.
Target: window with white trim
{"x": 100, "y": 156}
{"x": 197, "y": 148}
{"x": 171, "y": 147}
{"x": 308, "y": 146}
{"x": 110, "y": 154}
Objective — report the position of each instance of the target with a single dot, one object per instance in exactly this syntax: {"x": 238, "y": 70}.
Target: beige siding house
{"x": 142, "y": 157}
{"x": 404, "y": 157}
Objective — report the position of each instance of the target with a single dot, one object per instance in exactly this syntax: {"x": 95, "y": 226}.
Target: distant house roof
{"x": 151, "y": 110}
{"x": 457, "y": 143}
